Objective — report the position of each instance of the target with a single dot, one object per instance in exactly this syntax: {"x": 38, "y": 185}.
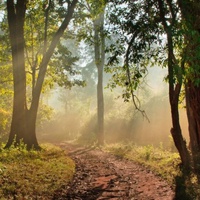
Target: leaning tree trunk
{"x": 176, "y": 132}
{"x": 174, "y": 93}
{"x": 32, "y": 113}
{"x": 99, "y": 44}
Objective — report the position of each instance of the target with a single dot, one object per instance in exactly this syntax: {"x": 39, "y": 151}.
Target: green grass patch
{"x": 160, "y": 161}
{"x": 33, "y": 174}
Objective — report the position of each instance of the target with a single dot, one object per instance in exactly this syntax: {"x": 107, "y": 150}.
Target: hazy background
{"x": 74, "y": 114}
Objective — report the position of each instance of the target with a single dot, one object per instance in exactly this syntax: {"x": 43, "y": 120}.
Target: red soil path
{"x": 102, "y": 176}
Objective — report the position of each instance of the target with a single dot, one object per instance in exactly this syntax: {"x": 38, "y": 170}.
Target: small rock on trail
{"x": 102, "y": 176}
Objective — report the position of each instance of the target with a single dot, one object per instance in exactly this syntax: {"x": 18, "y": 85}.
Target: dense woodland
{"x": 91, "y": 52}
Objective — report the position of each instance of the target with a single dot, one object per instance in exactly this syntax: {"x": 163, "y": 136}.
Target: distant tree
{"x": 93, "y": 33}
{"x": 99, "y": 46}
{"x": 23, "y": 125}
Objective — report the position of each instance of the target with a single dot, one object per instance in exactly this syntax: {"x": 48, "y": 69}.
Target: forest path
{"x": 102, "y": 176}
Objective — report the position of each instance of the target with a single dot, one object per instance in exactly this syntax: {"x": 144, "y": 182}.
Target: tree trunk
{"x": 100, "y": 107}
{"x": 175, "y": 84}
{"x": 190, "y": 11}
{"x": 176, "y": 133}
{"x": 99, "y": 45}
{"x": 30, "y": 138}
{"x": 23, "y": 125}
{"x": 193, "y": 114}
{"x": 16, "y": 15}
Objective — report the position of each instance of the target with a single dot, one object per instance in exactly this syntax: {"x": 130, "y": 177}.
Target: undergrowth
{"x": 33, "y": 174}
{"x": 164, "y": 163}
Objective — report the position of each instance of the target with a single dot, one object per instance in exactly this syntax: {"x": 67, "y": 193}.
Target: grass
{"x": 162, "y": 162}
{"x": 33, "y": 174}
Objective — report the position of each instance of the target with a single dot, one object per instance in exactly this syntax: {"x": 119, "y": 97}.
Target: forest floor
{"x": 102, "y": 176}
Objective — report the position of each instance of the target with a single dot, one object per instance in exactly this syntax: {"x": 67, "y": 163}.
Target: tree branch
{"x": 134, "y": 97}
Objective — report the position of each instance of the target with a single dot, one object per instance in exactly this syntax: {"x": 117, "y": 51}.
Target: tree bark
{"x": 193, "y": 115}
{"x": 16, "y": 17}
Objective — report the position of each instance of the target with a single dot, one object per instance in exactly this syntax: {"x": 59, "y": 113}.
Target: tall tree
{"x": 93, "y": 13}
{"x": 151, "y": 30}
{"x": 99, "y": 46}
{"x": 175, "y": 76}
{"x": 190, "y": 12}
{"x": 24, "y": 118}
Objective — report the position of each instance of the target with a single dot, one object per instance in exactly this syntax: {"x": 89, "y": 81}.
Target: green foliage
{"x": 60, "y": 69}
{"x": 6, "y": 80}
{"x": 141, "y": 42}
{"x": 45, "y": 113}
{"x": 63, "y": 68}
{"x": 5, "y": 118}
{"x": 32, "y": 174}
{"x": 135, "y": 44}
{"x": 87, "y": 12}
{"x": 5, "y": 114}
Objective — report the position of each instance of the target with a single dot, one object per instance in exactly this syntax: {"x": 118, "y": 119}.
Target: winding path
{"x": 101, "y": 176}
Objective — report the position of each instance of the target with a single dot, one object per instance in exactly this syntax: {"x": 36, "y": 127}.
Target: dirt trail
{"x": 101, "y": 176}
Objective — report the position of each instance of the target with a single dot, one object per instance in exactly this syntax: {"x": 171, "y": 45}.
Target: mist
{"x": 75, "y": 114}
